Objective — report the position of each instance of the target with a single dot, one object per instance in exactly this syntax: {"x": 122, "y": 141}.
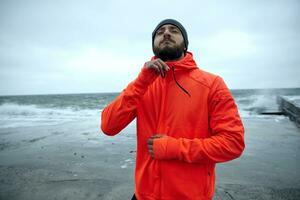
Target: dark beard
{"x": 169, "y": 53}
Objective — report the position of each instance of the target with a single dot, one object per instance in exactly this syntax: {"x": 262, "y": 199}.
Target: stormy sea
{"x": 38, "y": 110}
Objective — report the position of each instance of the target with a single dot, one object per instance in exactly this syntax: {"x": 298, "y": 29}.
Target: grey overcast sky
{"x": 77, "y": 46}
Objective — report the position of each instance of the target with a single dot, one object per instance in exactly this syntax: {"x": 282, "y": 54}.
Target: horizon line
{"x": 113, "y": 92}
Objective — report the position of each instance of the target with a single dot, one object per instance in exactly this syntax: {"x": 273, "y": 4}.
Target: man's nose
{"x": 167, "y": 34}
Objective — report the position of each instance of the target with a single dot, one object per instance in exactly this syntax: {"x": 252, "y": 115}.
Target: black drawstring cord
{"x": 179, "y": 84}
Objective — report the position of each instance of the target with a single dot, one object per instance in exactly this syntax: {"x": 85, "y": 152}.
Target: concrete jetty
{"x": 290, "y": 106}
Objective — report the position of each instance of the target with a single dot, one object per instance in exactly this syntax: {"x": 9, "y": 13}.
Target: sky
{"x": 75, "y": 46}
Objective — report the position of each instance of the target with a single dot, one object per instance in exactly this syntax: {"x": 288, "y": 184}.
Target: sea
{"x": 54, "y": 109}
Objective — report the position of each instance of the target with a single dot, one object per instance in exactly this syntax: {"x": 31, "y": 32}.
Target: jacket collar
{"x": 186, "y": 63}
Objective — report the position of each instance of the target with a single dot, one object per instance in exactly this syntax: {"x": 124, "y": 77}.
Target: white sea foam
{"x": 15, "y": 115}
{"x": 252, "y": 105}
{"x": 294, "y": 99}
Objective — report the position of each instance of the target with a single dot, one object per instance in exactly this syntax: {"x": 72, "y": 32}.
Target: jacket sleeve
{"x": 119, "y": 113}
{"x": 226, "y": 141}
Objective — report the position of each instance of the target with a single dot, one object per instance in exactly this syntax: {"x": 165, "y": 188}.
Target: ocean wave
{"x": 19, "y": 111}
{"x": 254, "y": 105}
{"x": 16, "y": 115}
{"x": 294, "y": 99}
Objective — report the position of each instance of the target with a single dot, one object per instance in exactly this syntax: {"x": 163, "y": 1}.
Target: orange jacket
{"x": 203, "y": 127}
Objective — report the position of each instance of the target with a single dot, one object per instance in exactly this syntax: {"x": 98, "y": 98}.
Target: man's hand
{"x": 150, "y": 143}
{"x": 158, "y": 65}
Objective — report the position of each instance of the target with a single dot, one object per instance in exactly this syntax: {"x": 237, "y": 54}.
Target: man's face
{"x": 168, "y": 43}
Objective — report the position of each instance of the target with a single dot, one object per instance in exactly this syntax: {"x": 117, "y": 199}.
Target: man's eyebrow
{"x": 174, "y": 27}
{"x": 161, "y": 28}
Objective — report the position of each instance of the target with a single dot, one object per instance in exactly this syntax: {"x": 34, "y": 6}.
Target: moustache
{"x": 167, "y": 40}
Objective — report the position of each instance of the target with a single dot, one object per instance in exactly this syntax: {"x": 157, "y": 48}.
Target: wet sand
{"x": 75, "y": 161}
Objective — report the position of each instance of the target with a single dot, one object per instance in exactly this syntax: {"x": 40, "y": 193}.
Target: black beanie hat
{"x": 175, "y": 23}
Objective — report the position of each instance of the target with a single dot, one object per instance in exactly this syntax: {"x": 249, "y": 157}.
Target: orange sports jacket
{"x": 198, "y": 114}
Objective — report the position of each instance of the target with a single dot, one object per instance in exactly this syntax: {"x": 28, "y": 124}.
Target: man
{"x": 187, "y": 121}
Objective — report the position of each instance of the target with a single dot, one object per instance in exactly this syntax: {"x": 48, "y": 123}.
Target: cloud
{"x": 100, "y": 46}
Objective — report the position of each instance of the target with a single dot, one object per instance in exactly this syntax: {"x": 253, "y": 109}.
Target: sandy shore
{"x": 75, "y": 161}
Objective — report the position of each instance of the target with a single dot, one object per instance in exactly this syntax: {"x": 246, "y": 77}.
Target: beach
{"x": 77, "y": 161}
{"x": 51, "y": 147}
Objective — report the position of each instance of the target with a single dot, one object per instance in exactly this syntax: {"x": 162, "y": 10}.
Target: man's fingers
{"x": 164, "y": 65}
{"x": 150, "y": 141}
{"x": 150, "y": 147}
{"x": 161, "y": 67}
{"x": 158, "y": 68}
{"x": 161, "y": 71}
{"x": 158, "y": 65}
{"x": 155, "y": 67}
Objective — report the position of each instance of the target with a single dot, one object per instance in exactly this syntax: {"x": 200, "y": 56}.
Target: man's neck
{"x": 182, "y": 56}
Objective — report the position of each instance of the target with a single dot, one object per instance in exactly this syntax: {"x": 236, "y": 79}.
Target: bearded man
{"x": 187, "y": 121}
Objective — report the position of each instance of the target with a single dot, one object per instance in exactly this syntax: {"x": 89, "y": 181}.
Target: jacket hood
{"x": 186, "y": 63}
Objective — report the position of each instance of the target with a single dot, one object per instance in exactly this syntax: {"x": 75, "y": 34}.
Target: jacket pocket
{"x": 182, "y": 180}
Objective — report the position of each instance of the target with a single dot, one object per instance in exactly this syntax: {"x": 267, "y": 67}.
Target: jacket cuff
{"x": 165, "y": 148}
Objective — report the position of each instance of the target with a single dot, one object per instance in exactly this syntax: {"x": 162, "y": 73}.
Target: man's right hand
{"x": 158, "y": 65}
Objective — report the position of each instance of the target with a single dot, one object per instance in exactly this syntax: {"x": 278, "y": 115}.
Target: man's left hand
{"x": 150, "y": 143}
